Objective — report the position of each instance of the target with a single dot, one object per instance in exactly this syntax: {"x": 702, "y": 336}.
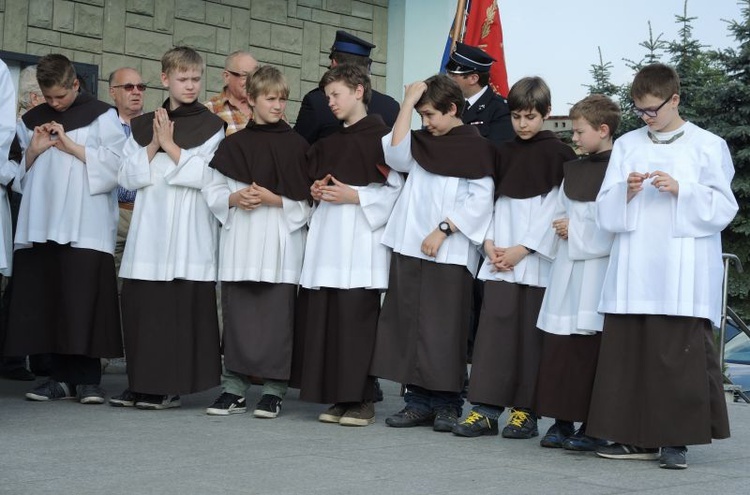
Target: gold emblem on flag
{"x": 491, "y": 10}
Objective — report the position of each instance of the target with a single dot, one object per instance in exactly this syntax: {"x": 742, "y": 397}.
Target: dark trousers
{"x": 424, "y": 400}
{"x": 76, "y": 370}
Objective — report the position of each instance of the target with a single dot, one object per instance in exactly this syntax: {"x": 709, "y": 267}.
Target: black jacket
{"x": 316, "y": 121}
{"x": 491, "y": 116}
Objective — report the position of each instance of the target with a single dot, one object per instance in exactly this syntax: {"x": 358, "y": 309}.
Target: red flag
{"x": 483, "y": 29}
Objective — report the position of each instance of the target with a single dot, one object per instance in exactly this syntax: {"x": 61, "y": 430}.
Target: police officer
{"x": 469, "y": 66}
{"x": 315, "y": 119}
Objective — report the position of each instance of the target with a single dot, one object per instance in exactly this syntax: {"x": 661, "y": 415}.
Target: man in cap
{"x": 469, "y": 66}
{"x": 315, "y": 119}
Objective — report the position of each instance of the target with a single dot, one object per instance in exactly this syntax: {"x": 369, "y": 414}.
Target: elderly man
{"x": 126, "y": 90}
{"x": 231, "y": 104}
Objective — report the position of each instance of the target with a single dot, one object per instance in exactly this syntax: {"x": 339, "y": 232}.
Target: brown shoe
{"x": 360, "y": 414}
{"x": 333, "y": 414}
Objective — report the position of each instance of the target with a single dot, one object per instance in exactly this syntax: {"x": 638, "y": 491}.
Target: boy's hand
{"x": 339, "y": 193}
{"x": 163, "y": 128}
{"x": 64, "y": 143}
{"x": 245, "y": 199}
{"x": 315, "y": 190}
{"x": 431, "y": 244}
{"x": 413, "y": 92}
{"x": 664, "y": 182}
{"x": 510, "y": 257}
{"x": 41, "y": 141}
{"x": 266, "y": 197}
{"x": 635, "y": 183}
{"x": 561, "y": 227}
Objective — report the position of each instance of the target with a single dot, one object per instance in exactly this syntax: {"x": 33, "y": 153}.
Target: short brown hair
{"x": 597, "y": 109}
{"x": 530, "y": 93}
{"x": 55, "y": 70}
{"x": 266, "y": 80}
{"x": 350, "y": 58}
{"x": 352, "y": 76}
{"x": 440, "y": 93}
{"x": 181, "y": 58}
{"x": 657, "y": 80}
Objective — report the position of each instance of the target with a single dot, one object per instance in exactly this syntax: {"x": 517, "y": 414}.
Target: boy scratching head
{"x": 530, "y": 103}
{"x": 440, "y": 105}
{"x": 267, "y": 94}
{"x": 348, "y": 90}
{"x": 595, "y": 119}
{"x": 58, "y": 81}
{"x": 181, "y": 74}
{"x": 656, "y": 97}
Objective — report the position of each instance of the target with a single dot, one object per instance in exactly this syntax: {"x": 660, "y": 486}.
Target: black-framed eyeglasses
{"x": 241, "y": 75}
{"x": 640, "y": 112}
{"x": 130, "y": 87}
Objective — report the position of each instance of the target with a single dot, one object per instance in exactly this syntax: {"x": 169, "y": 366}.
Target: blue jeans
{"x": 424, "y": 400}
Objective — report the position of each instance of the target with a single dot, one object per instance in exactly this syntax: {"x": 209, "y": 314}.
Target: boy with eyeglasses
{"x": 666, "y": 196}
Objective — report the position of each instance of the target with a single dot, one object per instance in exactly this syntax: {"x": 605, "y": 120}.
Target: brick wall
{"x": 295, "y": 35}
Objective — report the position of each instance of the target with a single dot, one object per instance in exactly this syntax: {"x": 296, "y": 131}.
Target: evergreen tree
{"x": 601, "y": 73}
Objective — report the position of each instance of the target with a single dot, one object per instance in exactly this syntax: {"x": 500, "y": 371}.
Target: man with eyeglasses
{"x": 231, "y": 104}
{"x": 126, "y": 89}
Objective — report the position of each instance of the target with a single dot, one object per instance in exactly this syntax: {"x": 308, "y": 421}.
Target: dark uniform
{"x": 490, "y": 112}
{"x": 315, "y": 120}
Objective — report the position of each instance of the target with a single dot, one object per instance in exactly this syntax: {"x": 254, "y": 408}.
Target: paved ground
{"x": 68, "y": 448}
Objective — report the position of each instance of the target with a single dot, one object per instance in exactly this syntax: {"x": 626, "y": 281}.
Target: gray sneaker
{"x": 90, "y": 394}
{"x": 673, "y": 458}
{"x": 359, "y": 414}
{"x": 51, "y": 390}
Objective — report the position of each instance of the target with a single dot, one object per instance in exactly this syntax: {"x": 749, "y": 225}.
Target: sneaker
{"x": 673, "y": 458}
{"x": 408, "y": 417}
{"x": 580, "y": 442}
{"x": 521, "y": 424}
{"x": 359, "y": 414}
{"x": 334, "y": 413}
{"x": 153, "y": 402}
{"x": 476, "y": 425}
{"x": 446, "y": 419}
{"x": 52, "y": 390}
{"x": 269, "y": 406}
{"x": 90, "y": 394}
{"x": 227, "y": 404}
{"x": 20, "y": 373}
{"x": 632, "y": 452}
{"x": 557, "y": 434}
{"x": 127, "y": 398}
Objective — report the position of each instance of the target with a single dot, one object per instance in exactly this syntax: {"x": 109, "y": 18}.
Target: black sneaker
{"x": 227, "y": 404}
{"x": 127, "y": 398}
{"x": 269, "y": 406}
{"x": 378, "y": 392}
{"x": 19, "y": 373}
{"x": 445, "y": 420}
{"x": 580, "y": 442}
{"x": 630, "y": 452}
{"x": 476, "y": 425}
{"x": 673, "y": 458}
{"x": 557, "y": 434}
{"x": 90, "y": 394}
{"x": 408, "y": 417}
{"x": 521, "y": 424}
{"x": 52, "y": 390}
{"x": 153, "y": 402}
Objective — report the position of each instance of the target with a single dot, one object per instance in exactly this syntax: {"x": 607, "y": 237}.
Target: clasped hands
{"x": 504, "y": 259}
{"x": 46, "y": 136}
{"x": 331, "y": 190}
{"x": 252, "y": 197}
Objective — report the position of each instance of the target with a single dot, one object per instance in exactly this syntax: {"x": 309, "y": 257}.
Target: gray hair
{"x": 27, "y": 84}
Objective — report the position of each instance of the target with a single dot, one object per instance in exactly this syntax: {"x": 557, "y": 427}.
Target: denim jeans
{"x": 424, "y": 400}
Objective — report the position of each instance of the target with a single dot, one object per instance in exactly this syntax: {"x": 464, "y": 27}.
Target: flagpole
{"x": 458, "y": 22}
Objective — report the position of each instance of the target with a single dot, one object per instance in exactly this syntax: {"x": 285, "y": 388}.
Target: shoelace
{"x": 473, "y": 418}
{"x": 518, "y": 418}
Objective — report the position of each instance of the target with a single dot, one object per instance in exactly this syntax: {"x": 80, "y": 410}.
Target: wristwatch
{"x": 445, "y": 228}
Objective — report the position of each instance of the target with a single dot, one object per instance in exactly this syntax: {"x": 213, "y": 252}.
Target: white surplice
{"x": 666, "y": 256}
{"x": 173, "y": 233}
{"x": 7, "y": 167}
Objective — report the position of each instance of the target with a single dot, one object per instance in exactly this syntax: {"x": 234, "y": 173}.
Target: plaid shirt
{"x": 221, "y": 106}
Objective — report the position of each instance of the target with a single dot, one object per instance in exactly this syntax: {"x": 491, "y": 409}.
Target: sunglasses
{"x": 241, "y": 75}
{"x": 130, "y": 87}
